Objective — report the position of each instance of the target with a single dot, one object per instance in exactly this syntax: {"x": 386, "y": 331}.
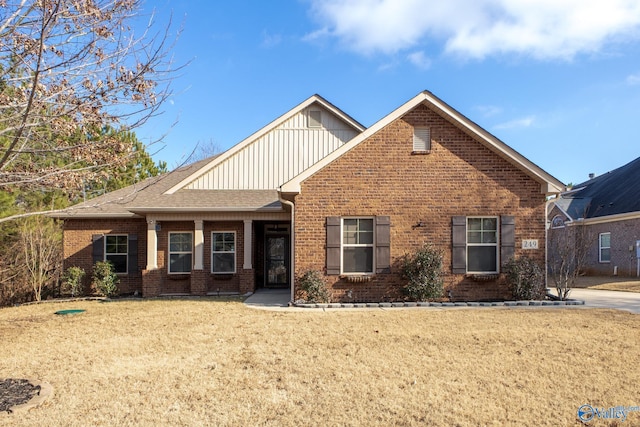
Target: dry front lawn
{"x": 619, "y": 286}
{"x": 609, "y": 283}
{"x": 207, "y": 362}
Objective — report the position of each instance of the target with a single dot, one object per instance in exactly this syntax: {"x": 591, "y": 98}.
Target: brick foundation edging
{"x": 442, "y": 304}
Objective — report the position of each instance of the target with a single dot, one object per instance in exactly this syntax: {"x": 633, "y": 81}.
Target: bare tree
{"x": 568, "y": 248}
{"x": 203, "y": 151}
{"x": 38, "y": 252}
{"x": 70, "y": 70}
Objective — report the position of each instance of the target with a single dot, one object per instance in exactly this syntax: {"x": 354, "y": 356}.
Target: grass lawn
{"x": 619, "y": 286}
{"x": 206, "y": 362}
{"x": 610, "y": 283}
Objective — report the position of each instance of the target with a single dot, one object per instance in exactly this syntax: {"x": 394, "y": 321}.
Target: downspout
{"x": 292, "y": 246}
{"x": 547, "y": 225}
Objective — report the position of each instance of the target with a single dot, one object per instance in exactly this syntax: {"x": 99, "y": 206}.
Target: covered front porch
{"x": 217, "y": 253}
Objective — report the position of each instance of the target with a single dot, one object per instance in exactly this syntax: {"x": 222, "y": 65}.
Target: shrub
{"x": 525, "y": 278}
{"x": 314, "y": 287}
{"x": 423, "y": 271}
{"x": 105, "y": 279}
{"x": 72, "y": 281}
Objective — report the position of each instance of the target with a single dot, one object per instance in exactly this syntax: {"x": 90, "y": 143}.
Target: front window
{"x": 482, "y": 245}
{"x": 357, "y": 245}
{"x": 180, "y": 252}
{"x": 116, "y": 251}
{"x": 223, "y": 252}
{"x": 605, "y": 247}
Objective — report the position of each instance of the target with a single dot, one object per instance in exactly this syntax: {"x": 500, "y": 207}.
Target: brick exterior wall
{"x": 381, "y": 177}
{"x": 78, "y": 251}
{"x": 78, "y": 248}
{"x": 624, "y": 235}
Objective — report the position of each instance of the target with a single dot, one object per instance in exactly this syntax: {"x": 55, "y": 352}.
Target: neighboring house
{"x": 314, "y": 190}
{"x": 608, "y": 206}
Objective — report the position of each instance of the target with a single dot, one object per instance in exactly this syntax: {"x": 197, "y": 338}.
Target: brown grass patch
{"x": 607, "y": 283}
{"x": 186, "y": 362}
{"x": 633, "y": 286}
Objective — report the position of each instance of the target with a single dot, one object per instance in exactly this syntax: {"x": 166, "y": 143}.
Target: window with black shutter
{"x": 358, "y": 245}
{"x": 479, "y": 243}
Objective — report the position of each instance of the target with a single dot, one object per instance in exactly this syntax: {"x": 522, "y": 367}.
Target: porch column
{"x": 152, "y": 244}
{"x": 247, "y": 244}
{"x": 199, "y": 245}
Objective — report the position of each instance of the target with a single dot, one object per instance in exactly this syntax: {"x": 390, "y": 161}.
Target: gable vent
{"x": 315, "y": 118}
{"x": 421, "y": 140}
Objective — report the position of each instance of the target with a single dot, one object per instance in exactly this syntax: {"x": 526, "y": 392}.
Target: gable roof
{"x": 315, "y": 99}
{"x": 167, "y": 193}
{"x": 549, "y": 184}
{"x": 150, "y": 196}
{"x": 614, "y": 193}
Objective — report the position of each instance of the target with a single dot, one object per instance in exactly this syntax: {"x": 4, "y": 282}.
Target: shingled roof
{"x": 150, "y": 196}
{"x": 613, "y": 193}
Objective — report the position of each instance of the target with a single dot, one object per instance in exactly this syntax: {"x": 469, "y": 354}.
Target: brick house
{"x": 608, "y": 207}
{"x": 315, "y": 190}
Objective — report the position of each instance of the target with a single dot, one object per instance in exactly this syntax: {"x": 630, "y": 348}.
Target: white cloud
{"x": 270, "y": 40}
{"x": 488, "y": 110}
{"x": 420, "y": 60}
{"x": 524, "y": 122}
{"x": 633, "y": 79}
{"x": 318, "y": 34}
{"x": 544, "y": 29}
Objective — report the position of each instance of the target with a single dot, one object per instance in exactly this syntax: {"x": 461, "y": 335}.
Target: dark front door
{"x": 277, "y": 261}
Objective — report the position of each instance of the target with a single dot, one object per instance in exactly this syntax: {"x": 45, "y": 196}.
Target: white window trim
{"x": 126, "y": 254}
{"x": 600, "y": 248}
{"x": 496, "y": 244}
{"x": 169, "y": 252}
{"x": 235, "y": 257}
{"x": 359, "y": 245}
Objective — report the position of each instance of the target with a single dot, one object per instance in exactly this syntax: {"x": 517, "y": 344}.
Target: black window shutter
{"x": 132, "y": 262}
{"x": 333, "y": 245}
{"x": 459, "y": 245}
{"x": 507, "y": 238}
{"x": 98, "y": 247}
{"x": 383, "y": 244}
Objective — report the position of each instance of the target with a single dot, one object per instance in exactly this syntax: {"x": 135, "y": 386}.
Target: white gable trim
{"x": 265, "y": 130}
{"x": 562, "y": 211}
{"x": 549, "y": 184}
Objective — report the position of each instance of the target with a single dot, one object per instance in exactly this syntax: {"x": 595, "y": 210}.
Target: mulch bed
{"x": 15, "y": 392}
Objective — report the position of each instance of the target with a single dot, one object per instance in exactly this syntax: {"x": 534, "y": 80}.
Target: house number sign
{"x": 529, "y": 243}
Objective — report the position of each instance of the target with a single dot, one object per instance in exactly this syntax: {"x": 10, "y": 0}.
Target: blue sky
{"x": 559, "y": 81}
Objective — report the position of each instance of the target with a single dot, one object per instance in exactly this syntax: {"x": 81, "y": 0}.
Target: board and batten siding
{"x": 278, "y": 156}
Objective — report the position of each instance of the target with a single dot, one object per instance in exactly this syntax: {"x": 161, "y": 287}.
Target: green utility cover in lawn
{"x": 72, "y": 311}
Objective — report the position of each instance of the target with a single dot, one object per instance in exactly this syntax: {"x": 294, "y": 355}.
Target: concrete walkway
{"x": 278, "y": 299}
{"x": 269, "y": 299}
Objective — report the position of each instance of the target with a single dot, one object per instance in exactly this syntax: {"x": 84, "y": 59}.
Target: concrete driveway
{"x": 595, "y": 298}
